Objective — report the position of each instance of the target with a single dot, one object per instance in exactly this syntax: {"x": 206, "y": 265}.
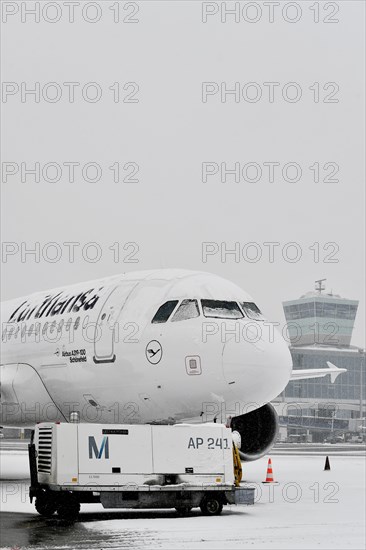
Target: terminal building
{"x": 320, "y": 326}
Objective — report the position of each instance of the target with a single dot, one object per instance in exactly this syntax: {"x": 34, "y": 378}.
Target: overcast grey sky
{"x": 166, "y": 123}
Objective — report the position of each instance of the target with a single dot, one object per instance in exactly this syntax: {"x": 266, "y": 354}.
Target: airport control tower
{"x": 320, "y": 326}
{"x": 320, "y": 317}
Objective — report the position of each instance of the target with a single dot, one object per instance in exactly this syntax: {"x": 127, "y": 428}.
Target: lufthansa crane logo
{"x": 154, "y": 352}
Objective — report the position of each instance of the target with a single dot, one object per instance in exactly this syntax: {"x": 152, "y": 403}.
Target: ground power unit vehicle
{"x": 134, "y": 466}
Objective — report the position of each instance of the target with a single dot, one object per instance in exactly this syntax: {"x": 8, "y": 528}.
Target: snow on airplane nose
{"x": 257, "y": 366}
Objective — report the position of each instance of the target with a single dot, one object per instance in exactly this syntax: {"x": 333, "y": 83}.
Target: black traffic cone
{"x": 327, "y": 465}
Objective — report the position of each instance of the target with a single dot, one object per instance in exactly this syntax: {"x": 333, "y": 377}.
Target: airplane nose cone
{"x": 257, "y": 369}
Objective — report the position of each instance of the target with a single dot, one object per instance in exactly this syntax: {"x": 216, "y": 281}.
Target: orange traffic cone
{"x": 269, "y": 477}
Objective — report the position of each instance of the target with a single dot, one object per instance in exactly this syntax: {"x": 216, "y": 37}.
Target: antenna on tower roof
{"x": 319, "y": 285}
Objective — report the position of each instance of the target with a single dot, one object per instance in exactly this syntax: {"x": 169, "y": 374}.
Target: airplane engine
{"x": 257, "y": 430}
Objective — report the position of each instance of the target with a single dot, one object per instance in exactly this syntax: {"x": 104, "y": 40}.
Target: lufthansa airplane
{"x": 146, "y": 347}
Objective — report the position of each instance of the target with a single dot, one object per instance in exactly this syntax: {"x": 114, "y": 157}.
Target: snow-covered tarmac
{"x": 309, "y": 508}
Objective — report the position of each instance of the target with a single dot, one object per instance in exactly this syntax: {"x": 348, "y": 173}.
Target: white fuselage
{"x": 93, "y": 348}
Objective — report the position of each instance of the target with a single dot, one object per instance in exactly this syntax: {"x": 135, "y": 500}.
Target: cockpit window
{"x": 252, "y": 311}
{"x": 164, "y": 312}
{"x": 188, "y": 309}
{"x": 221, "y": 309}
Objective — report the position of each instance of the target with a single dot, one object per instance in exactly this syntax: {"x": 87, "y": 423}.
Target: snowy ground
{"x": 309, "y": 508}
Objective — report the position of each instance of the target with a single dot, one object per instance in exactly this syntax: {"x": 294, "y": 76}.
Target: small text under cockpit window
{"x": 252, "y": 311}
{"x": 221, "y": 309}
{"x": 188, "y": 309}
{"x": 164, "y": 312}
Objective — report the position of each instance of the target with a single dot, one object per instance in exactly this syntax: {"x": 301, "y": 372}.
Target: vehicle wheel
{"x": 183, "y": 510}
{"x": 46, "y": 505}
{"x": 68, "y": 508}
{"x": 211, "y": 506}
